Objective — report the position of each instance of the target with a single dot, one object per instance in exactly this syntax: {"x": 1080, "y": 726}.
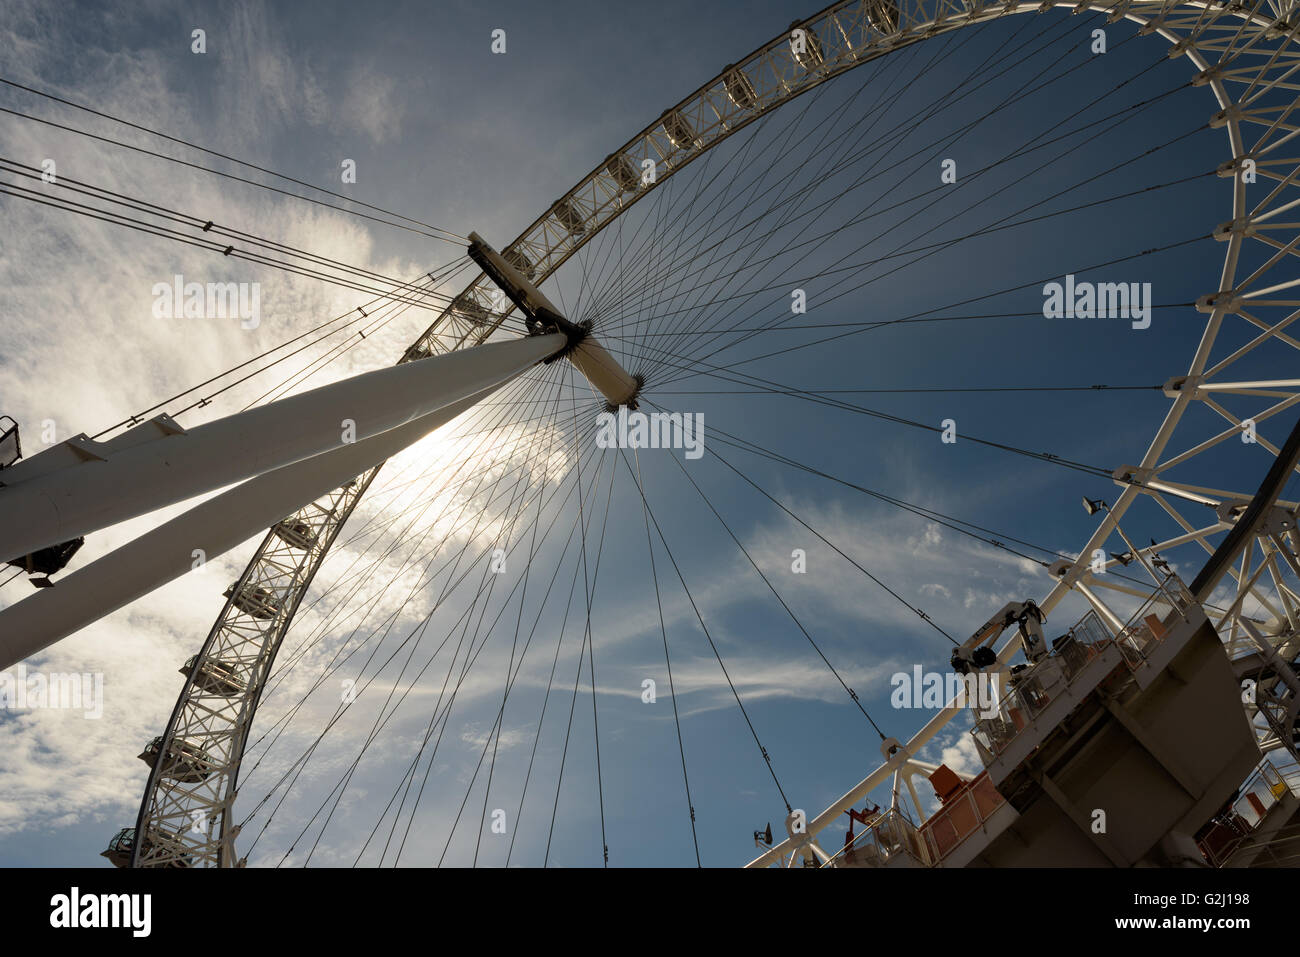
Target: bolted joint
{"x": 632, "y": 401}
{"x": 1207, "y": 76}
{"x": 541, "y": 317}
{"x": 574, "y": 333}
{"x": 1226, "y": 300}
{"x": 1183, "y": 385}
{"x": 1230, "y": 168}
{"x": 1130, "y": 475}
{"x": 1282, "y": 28}
{"x": 1230, "y": 114}
{"x": 1065, "y": 571}
{"x": 1241, "y": 226}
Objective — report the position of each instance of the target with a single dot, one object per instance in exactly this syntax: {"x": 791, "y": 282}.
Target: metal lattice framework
{"x": 1246, "y": 54}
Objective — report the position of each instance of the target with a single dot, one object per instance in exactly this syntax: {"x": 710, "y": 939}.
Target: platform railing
{"x": 961, "y": 817}
{"x": 885, "y": 838}
{"x": 1070, "y": 654}
{"x": 1147, "y": 626}
{"x": 1268, "y": 784}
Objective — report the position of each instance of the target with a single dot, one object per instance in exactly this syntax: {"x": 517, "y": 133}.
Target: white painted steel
{"x": 214, "y": 526}
{"x": 604, "y": 372}
{"x": 154, "y": 465}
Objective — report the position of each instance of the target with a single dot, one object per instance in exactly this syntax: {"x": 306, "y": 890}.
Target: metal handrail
{"x": 1138, "y": 637}
{"x": 1276, "y": 782}
{"x": 1071, "y": 653}
{"x": 891, "y": 833}
{"x": 969, "y": 800}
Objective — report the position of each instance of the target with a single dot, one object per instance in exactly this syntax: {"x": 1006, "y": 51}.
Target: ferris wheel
{"x": 672, "y": 263}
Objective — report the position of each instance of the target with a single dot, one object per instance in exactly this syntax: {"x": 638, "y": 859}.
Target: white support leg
{"x": 81, "y": 485}
{"x": 215, "y": 526}
{"x": 1101, "y": 608}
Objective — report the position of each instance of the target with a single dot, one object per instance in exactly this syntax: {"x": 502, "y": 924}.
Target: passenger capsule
{"x": 185, "y": 762}
{"x": 523, "y": 265}
{"x": 215, "y": 677}
{"x": 254, "y": 600}
{"x": 620, "y": 168}
{"x": 810, "y": 56}
{"x": 472, "y": 311}
{"x": 740, "y": 90}
{"x": 120, "y": 847}
{"x": 679, "y": 130}
{"x": 884, "y": 15}
{"x": 569, "y": 218}
{"x": 295, "y": 534}
{"x": 123, "y": 843}
{"x": 11, "y": 450}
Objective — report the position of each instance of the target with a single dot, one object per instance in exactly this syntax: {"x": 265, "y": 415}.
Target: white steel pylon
{"x": 81, "y": 485}
{"x": 213, "y": 527}
{"x": 291, "y": 451}
{"x": 285, "y": 454}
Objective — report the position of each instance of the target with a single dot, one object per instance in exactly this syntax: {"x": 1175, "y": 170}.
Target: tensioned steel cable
{"x": 465, "y": 670}
{"x": 1126, "y": 109}
{"x": 1010, "y": 388}
{"x": 422, "y": 503}
{"x": 727, "y": 373}
{"x": 573, "y": 702}
{"x": 230, "y": 251}
{"x": 895, "y": 595}
{"x": 518, "y": 670}
{"x": 932, "y": 248}
{"x": 510, "y": 678}
{"x": 449, "y": 238}
{"x": 718, "y": 371}
{"x": 514, "y": 643}
{"x": 963, "y": 88}
{"x": 504, "y": 533}
{"x": 108, "y": 116}
{"x": 421, "y": 506}
{"x": 139, "y": 416}
{"x": 663, "y": 630}
{"x": 588, "y": 583}
{"x": 935, "y": 247}
{"x": 958, "y": 92}
{"x": 959, "y": 525}
{"x": 332, "y": 666}
{"x": 499, "y": 721}
{"x": 589, "y": 594}
{"x": 778, "y": 388}
{"x": 382, "y": 295}
{"x": 504, "y": 417}
{"x": 767, "y": 759}
{"x": 853, "y": 695}
{"x": 426, "y": 621}
{"x": 207, "y": 226}
{"x": 550, "y": 683}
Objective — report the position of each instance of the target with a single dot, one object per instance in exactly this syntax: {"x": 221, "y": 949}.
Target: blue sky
{"x": 445, "y": 132}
